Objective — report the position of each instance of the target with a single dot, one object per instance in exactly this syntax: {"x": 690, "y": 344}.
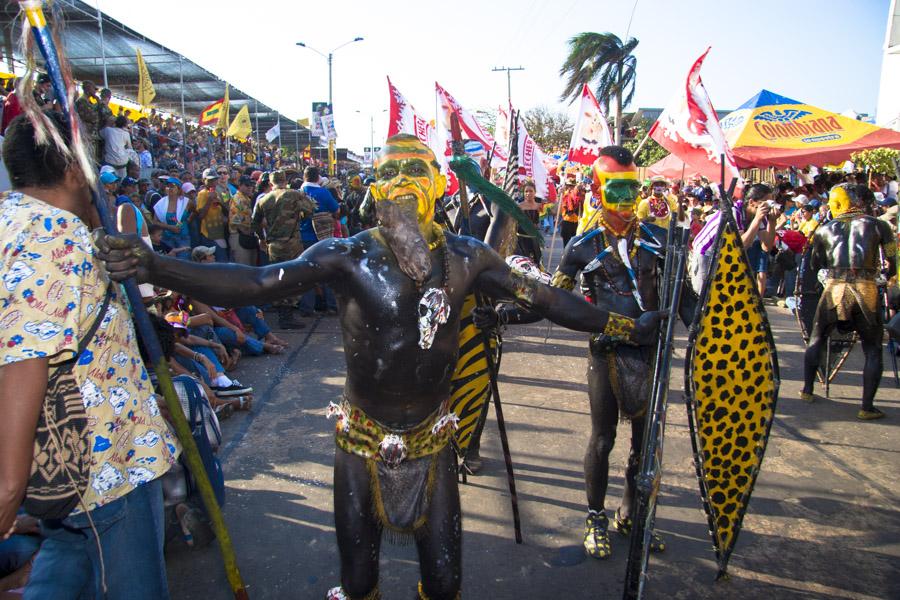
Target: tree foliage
{"x": 878, "y": 160}
{"x": 651, "y": 152}
{"x": 605, "y": 59}
{"x": 550, "y": 129}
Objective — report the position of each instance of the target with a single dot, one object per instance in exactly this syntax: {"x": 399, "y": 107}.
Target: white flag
{"x": 328, "y": 127}
{"x": 533, "y": 162}
{"x": 274, "y": 132}
{"x": 591, "y": 133}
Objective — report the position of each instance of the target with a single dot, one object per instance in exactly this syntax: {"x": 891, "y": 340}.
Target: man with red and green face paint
{"x": 400, "y": 288}
{"x": 617, "y": 257}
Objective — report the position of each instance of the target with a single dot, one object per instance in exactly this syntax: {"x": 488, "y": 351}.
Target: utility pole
{"x": 508, "y": 79}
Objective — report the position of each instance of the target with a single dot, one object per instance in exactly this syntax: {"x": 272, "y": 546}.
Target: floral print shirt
{"x": 52, "y": 289}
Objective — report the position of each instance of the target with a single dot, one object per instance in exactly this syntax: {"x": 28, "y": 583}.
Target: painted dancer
{"x": 850, "y": 248}
{"x": 400, "y": 288}
{"x": 618, "y": 259}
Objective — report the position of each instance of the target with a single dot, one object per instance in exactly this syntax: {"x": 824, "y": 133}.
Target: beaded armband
{"x": 618, "y": 328}
{"x": 524, "y": 288}
{"x": 562, "y": 281}
{"x": 890, "y": 247}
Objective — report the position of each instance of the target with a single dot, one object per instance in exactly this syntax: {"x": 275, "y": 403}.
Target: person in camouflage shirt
{"x": 276, "y": 220}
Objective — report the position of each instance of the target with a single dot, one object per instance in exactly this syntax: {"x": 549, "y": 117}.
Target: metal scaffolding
{"x": 102, "y": 49}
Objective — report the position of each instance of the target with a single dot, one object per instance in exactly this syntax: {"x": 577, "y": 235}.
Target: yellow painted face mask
{"x": 407, "y": 174}
{"x": 839, "y": 201}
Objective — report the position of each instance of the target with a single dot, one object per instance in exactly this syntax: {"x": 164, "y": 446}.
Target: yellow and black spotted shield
{"x": 731, "y": 384}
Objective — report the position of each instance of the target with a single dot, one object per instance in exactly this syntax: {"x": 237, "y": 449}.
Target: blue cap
{"x": 129, "y": 181}
{"x": 173, "y": 181}
{"x": 108, "y": 177}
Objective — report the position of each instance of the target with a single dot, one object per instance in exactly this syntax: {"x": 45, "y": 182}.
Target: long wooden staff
{"x": 43, "y": 36}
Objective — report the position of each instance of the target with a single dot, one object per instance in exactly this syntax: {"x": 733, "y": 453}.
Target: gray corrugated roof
{"x": 81, "y": 38}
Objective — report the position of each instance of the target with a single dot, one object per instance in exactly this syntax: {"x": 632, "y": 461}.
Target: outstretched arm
{"x": 562, "y": 307}
{"x": 221, "y": 284}
{"x": 563, "y": 278}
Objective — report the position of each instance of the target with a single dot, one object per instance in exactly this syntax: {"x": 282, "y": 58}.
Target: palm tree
{"x": 604, "y": 58}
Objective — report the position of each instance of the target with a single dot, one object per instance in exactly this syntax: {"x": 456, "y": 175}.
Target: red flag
{"x": 403, "y": 119}
{"x": 689, "y": 128}
{"x": 591, "y": 132}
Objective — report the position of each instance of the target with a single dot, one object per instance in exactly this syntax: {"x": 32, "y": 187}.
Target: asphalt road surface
{"x": 823, "y": 522}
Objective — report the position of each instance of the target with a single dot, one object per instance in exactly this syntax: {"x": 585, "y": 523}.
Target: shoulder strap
{"x": 96, "y": 324}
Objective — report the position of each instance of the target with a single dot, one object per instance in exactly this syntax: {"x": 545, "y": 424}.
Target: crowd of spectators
{"x": 190, "y": 197}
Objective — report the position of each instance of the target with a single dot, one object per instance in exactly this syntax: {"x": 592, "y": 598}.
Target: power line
{"x": 630, "y": 19}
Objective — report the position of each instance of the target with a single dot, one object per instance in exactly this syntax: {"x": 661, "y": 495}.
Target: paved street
{"x": 823, "y": 521}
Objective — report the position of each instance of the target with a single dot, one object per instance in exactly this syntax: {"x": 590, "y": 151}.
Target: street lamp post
{"x": 328, "y": 57}
{"x": 372, "y": 135}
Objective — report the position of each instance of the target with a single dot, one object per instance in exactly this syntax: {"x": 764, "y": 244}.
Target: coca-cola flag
{"x": 689, "y": 128}
{"x": 532, "y": 162}
{"x": 591, "y": 132}
{"x": 404, "y": 119}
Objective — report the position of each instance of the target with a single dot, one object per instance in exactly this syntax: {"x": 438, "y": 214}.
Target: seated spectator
{"x": 228, "y": 324}
{"x": 201, "y": 357}
{"x": 159, "y": 246}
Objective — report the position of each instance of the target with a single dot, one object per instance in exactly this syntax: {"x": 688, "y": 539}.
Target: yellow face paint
{"x": 407, "y": 174}
{"x": 839, "y": 201}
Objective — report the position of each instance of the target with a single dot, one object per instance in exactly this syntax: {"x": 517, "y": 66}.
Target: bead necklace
{"x": 440, "y": 241}
{"x": 609, "y": 279}
{"x": 607, "y": 230}
{"x": 850, "y": 214}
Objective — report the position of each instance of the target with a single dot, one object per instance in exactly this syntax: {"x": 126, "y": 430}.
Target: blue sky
{"x": 824, "y": 52}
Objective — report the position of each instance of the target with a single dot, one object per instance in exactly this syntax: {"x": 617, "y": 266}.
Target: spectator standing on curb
{"x": 116, "y": 144}
{"x": 86, "y": 105}
{"x": 144, "y": 157}
{"x": 213, "y": 214}
{"x": 757, "y": 235}
{"x": 572, "y": 200}
{"x": 325, "y": 204}
{"x": 114, "y": 536}
{"x": 276, "y": 220}
{"x": 243, "y": 243}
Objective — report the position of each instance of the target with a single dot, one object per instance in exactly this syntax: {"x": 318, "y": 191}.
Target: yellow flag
{"x": 146, "y": 93}
{"x": 240, "y": 127}
{"x": 223, "y": 112}
{"x": 303, "y": 122}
